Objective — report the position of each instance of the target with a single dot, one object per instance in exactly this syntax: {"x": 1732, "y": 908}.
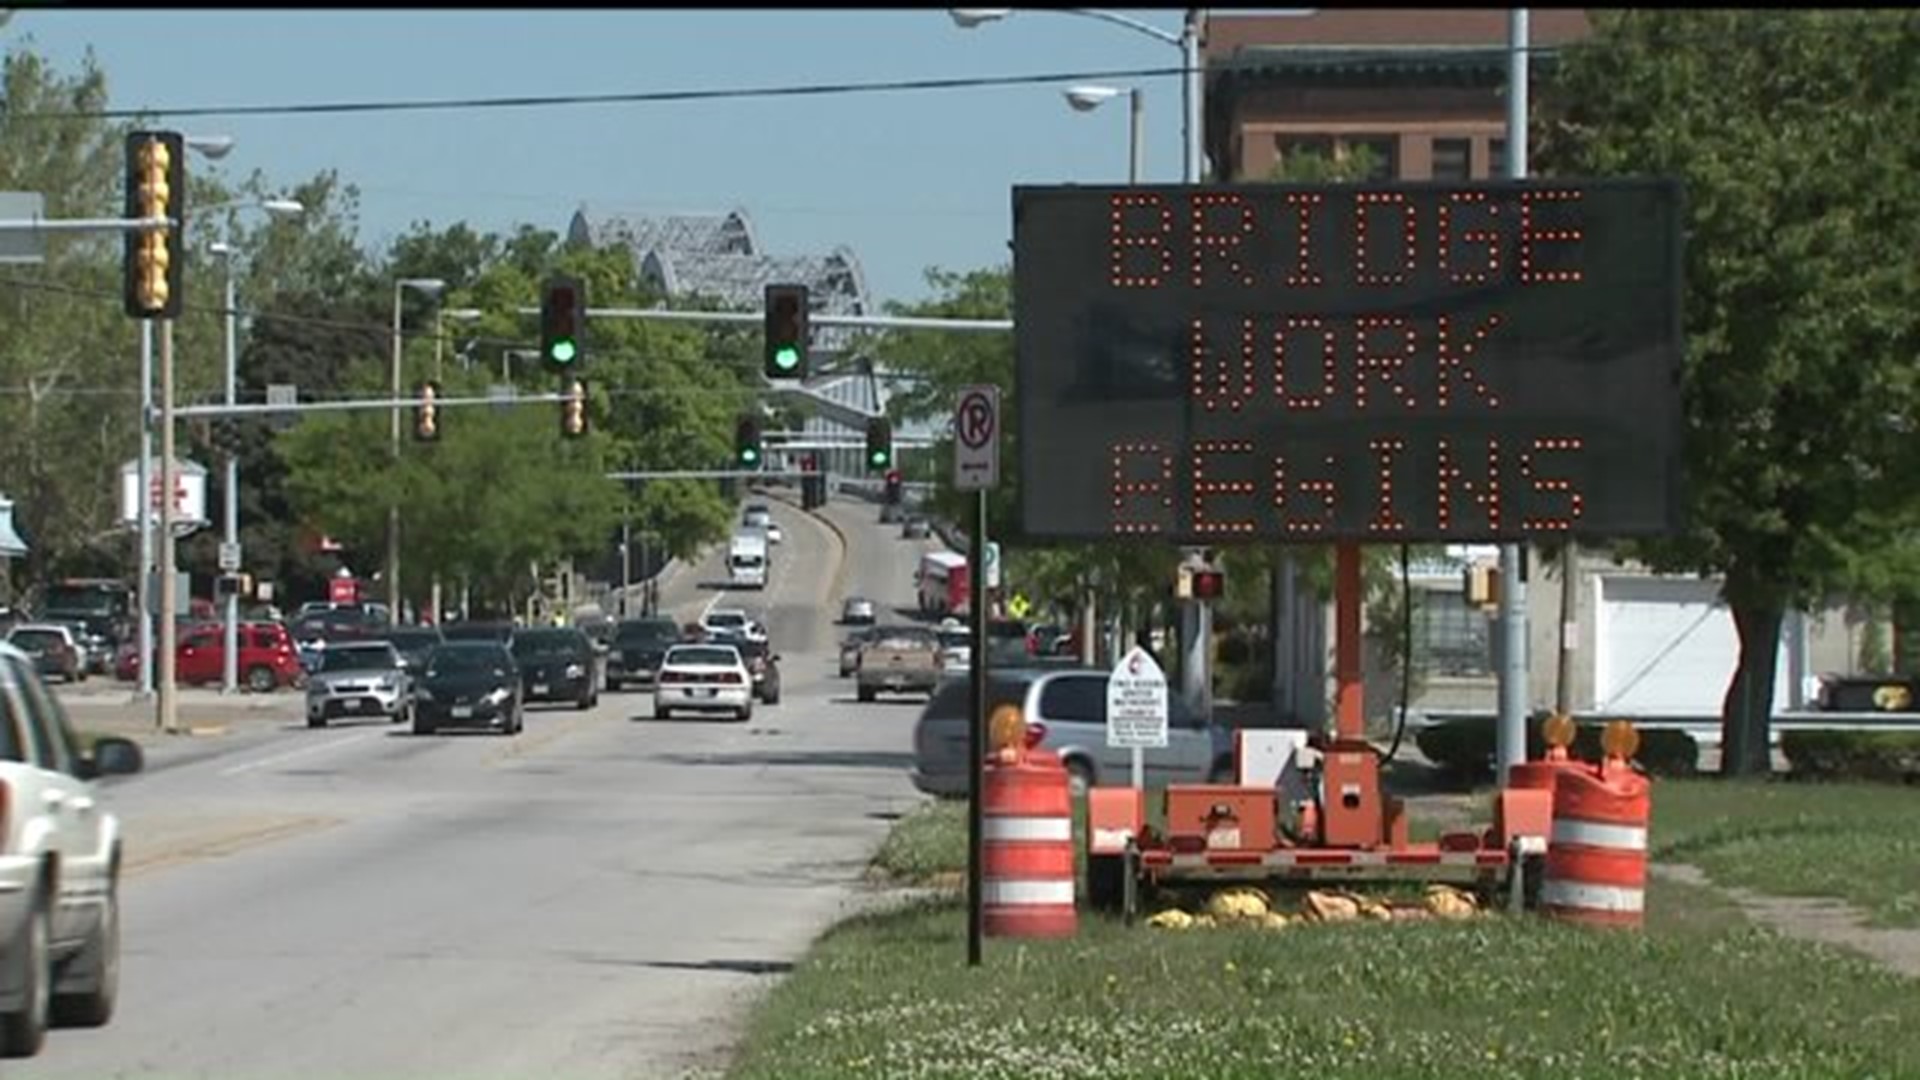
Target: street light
{"x": 430, "y": 287}
{"x": 230, "y": 662}
{"x": 460, "y": 314}
{"x": 1187, "y": 41}
{"x": 211, "y": 147}
{"x": 1088, "y": 98}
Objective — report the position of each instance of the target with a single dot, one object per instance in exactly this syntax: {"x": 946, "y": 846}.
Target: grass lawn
{"x": 1855, "y": 842}
{"x": 1699, "y": 994}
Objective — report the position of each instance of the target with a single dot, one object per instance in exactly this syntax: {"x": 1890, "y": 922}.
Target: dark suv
{"x": 557, "y": 664}
{"x": 638, "y": 646}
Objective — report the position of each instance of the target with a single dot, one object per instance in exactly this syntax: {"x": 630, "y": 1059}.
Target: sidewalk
{"x": 117, "y": 710}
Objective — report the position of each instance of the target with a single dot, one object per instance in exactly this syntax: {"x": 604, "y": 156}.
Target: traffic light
{"x": 894, "y": 487}
{"x": 1209, "y": 584}
{"x": 746, "y": 441}
{"x": 573, "y": 411}
{"x": 226, "y": 436}
{"x": 426, "y": 413}
{"x": 880, "y": 442}
{"x": 786, "y": 344}
{"x": 563, "y": 319}
{"x": 156, "y": 188}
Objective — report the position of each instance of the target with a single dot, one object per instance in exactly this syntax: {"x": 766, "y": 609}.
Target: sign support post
{"x": 976, "y": 736}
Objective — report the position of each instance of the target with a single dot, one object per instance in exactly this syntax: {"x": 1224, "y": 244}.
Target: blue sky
{"x": 907, "y": 179}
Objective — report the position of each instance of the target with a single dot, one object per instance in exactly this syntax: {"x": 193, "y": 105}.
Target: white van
{"x": 747, "y": 560}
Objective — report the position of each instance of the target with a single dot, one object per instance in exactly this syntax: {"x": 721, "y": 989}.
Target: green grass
{"x": 926, "y": 846}
{"x": 890, "y": 995}
{"x": 1857, "y": 842}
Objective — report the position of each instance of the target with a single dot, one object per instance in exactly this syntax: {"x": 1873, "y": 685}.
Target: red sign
{"x": 343, "y": 590}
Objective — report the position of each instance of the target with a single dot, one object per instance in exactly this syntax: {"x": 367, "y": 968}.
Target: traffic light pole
{"x": 167, "y": 719}
{"x": 230, "y": 504}
{"x": 870, "y": 322}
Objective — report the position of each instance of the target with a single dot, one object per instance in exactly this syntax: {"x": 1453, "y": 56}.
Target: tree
{"x": 1794, "y": 132}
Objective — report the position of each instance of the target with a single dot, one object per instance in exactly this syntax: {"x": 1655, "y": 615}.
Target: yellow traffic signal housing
{"x": 426, "y": 413}
{"x": 1481, "y": 583}
{"x": 156, "y": 188}
{"x": 573, "y": 411}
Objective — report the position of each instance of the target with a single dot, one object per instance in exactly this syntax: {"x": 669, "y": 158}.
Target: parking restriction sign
{"x": 976, "y": 439}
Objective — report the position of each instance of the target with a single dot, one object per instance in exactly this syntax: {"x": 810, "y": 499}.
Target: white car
{"x": 703, "y": 678}
{"x": 59, "y": 866}
{"x": 773, "y": 532}
{"x": 726, "y": 621}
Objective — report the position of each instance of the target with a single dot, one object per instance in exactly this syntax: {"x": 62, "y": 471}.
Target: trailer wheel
{"x": 1106, "y": 884}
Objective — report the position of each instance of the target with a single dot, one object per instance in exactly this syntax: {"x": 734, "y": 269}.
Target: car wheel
{"x": 660, "y": 713}
{"x": 866, "y": 693}
{"x": 260, "y": 679}
{"x": 746, "y": 714}
{"x": 518, "y": 723}
{"x": 316, "y": 721}
{"x": 773, "y": 694}
{"x": 24, "y": 1030}
{"x": 584, "y": 703}
{"x": 96, "y": 970}
{"x": 421, "y": 727}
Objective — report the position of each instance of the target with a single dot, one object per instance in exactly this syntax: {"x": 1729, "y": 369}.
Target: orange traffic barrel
{"x": 1596, "y": 870}
{"x": 1026, "y": 870}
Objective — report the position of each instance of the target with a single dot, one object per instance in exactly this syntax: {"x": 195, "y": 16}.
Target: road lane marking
{"x": 219, "y": 844}
{"x": 332, "y": 744}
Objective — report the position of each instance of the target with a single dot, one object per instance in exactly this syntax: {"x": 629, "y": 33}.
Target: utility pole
{"x": 230, "y": 499}
{"x": 144, "y": 481}
{"x": 169, "y": 603}
{"x": 1511, "y": 732}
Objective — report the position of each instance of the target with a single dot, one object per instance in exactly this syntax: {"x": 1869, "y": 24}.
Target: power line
{"x": 630, "y": 98}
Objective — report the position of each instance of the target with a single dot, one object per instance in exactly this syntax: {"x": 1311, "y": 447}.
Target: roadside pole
{"x": 976, "y": 731}
{"x": 167, "y": 718}
{"x": 1510, "y": 734}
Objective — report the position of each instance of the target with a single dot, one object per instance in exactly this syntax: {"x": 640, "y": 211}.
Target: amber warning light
{"x": 1405, "y": 362}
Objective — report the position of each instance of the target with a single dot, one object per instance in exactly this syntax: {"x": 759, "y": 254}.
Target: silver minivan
{"x": 1072, "y": 704}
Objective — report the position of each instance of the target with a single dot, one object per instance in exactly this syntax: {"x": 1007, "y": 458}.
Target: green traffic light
{"x": 879, "y": 457}
{"x": 749, "y": 455}
{"x": 563, "y": 351}
{"x": 786, "y": 358}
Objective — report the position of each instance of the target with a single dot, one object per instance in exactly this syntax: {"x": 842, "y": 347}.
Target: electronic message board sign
{"x": 1317, "y": 362}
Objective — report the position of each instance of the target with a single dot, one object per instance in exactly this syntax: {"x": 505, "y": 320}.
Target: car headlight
{"x": 574, "y": 671}
{"x": 499, "y": 696}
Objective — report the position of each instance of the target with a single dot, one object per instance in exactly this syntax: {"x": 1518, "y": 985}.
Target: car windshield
{"x": 726, "y": 618}
{"x": 447, "y": 660}
{"x": 908, "y": 639}
{"x": 703, "y": 657}
{"x": 951, "y": 700}
{"x": 955, "y": 639}
{"x": 531, "y": 643}
{"x": 358, "y": 659}
{"x": 35, "y": 640}
{"x": 415, "y": 641}
{"x": 647, "y": 631}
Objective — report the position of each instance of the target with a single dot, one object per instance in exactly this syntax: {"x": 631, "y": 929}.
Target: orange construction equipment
{"x": 1596, "y": 870}
{"x": 1027, "y": 852}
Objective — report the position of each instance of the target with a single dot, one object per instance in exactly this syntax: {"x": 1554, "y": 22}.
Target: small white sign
{"x": 993, "y": 565}
{"x": 1137, "y": 702}
{"x": 189, "y": 494}
{"x": 229, "y": 558}
{"x": 976, "y": 439}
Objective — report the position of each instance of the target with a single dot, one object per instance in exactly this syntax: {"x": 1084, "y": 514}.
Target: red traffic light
{"x": 1209, "y": 584}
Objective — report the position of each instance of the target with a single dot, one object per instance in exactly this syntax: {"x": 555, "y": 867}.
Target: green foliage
{"x": 1793, "y": 131}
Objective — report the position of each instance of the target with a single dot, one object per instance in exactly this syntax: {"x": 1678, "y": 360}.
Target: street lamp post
{"x": 1192, "y": 86}
{"x": 230, "y": 496}
{"x": 431, "y": 287}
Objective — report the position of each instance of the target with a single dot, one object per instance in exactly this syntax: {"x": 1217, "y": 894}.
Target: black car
{"x": 468, "y": 684}
{"x": 413, "y": 643}
{"x": 763, "y": 664}
{"x": 557, "y": 664}
{"x": 638, "y": 646}
{"x": 498, "y": 632}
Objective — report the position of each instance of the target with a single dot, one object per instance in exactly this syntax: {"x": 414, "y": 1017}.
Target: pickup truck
{"x": 899, "y": 659}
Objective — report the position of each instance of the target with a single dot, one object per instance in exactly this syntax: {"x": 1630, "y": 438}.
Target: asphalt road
{"x": 600, "y": 897}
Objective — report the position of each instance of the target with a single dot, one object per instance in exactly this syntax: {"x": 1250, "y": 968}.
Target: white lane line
{"x": 332, "y": 744}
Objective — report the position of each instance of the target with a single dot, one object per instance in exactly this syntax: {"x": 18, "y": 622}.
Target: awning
{"x": 11, "y": 546}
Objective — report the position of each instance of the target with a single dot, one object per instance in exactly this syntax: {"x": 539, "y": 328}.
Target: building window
{"x": 1452, "y": 159}
{"x": 1296, "y": 149}
{"x": 1451, "y": 636}
{"x": 1382, "y": 154}
{"x": 1496, "y": 159}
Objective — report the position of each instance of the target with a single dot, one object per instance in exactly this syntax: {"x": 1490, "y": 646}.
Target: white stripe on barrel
{"x": 1014, "y": 892}
{"x": 1028, "y": 829}
{"x": 1599, "y": 834}
{"x": 1574, "y": 894}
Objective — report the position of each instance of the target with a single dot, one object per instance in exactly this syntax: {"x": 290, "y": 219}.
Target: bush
{"x": 1890, "y": 756}
{"x": 1467, "y": 746}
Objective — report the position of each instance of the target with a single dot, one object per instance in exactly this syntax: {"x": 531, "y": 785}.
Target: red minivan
{"x": 268, "y": 658}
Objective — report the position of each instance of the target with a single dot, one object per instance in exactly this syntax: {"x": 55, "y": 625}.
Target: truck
{"x": 941, "y": 583}
{"x": 747, "y": 559}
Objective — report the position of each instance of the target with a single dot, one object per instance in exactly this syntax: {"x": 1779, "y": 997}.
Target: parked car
{"x": 857, "y": 611}
{"x": 268, "y": 658}
{"x": 55, "y": 649}
{"x": 764, "y": 665}
{"x": 360, "y": 678}
{"x": 1070, "y": 707}
{"x": 899, "y": 660}
{"x": 703, "y": 678}
{"x": 557, "y": 664}
{"x": 468, "y": 684}
{"x": 638, "y": 647}
{"x": 850, "y": 649}
{"x": 59, "y": 865}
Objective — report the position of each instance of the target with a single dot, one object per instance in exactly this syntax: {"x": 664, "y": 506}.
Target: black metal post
{"x": 977, "y": 729}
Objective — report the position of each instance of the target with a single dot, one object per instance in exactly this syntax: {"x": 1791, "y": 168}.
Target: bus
{"x": 942, "y": 583}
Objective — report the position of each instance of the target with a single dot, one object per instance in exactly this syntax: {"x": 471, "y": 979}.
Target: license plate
{"x": 896, "y": 682}
{"x": 705, "y": 691}
{"x": 463, "y": 712}
{"x": 367, "y": 705}
{"x": 539, "y": 688}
